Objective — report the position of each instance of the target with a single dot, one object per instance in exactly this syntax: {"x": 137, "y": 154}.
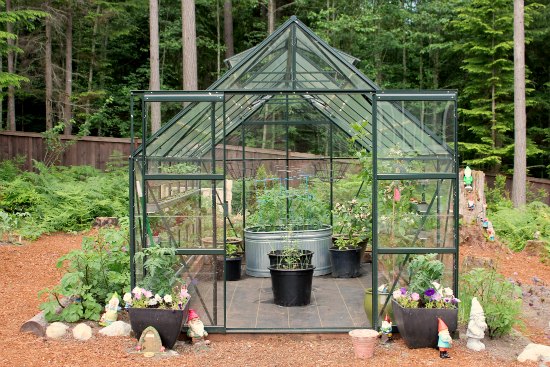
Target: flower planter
{"x": 292, "y": 287}
{"x": 258, "y": 243}
{"x": 367, "y": 304}
{"x": 233, "y": 268}
{"x": 168, "y": 323}
{"x": 345, "y": 263}
{"x": 418, "y": 326}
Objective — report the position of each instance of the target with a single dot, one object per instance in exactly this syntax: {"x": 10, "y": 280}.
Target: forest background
{"x": 73, "y": 63}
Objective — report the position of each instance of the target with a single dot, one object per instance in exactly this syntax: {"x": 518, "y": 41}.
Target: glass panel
{"x": 179, "y": 212}
{"x": 203, "y": 275}
{"x": 415, "y": 136}
{"x": 415, "y": 213}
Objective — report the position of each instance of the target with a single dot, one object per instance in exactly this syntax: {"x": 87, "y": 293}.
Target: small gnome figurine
{"x": 386, "y": 330}
{"x": 196, "y": 329}
{"x": 111, "y": 311}
{"x": 468, "y": 179}
{"x": 476, "y": 327}
{"x": 444, "y": 342}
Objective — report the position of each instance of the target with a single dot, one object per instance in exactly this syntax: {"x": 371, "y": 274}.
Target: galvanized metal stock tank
{"x": 259, "y": 243}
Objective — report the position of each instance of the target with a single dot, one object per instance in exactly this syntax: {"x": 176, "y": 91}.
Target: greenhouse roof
{"x": 292, "y": 70}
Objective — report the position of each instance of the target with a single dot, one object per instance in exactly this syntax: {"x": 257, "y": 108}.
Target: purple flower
{"x": 429, "y": 292}
{"x": 446, "y": 300}
{"x": 415, "y": 296}
{"x": 403, "y": 291}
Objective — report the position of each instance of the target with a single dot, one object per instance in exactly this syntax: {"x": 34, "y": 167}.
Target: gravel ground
{"x": 29, "y": 268}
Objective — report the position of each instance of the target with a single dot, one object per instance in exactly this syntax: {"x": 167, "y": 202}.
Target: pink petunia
{"x": 396, "y": 194}
{"x": 415, "y": 296}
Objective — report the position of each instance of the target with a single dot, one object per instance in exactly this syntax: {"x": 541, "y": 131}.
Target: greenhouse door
{"x": 415, "y": 192}
{"x": 179, "y": 202}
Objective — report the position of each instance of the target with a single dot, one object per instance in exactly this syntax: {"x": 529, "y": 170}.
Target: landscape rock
{"x": 56, "y": 330}
{"x": 82, "y": 332}
{"x": 535, "y": 352}
{"x": 117, "y": 328}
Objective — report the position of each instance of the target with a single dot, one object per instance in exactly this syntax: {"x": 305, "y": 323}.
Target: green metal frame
{"x": 340, "y": 96}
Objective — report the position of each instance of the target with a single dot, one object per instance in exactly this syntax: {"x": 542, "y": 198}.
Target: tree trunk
{"x": 228, "y": 28}
{"x": 520, "y": 159}
{"x": 67, "y": 113}
{"x": 154, "y": 81}
{"x": 218, "y": 40}
{"x": 11, "y": 70}
{"x": 92, "y": 62}
{"x": 271, "y": 10}
{"x": 189, "y": 45}
{"x": 48, "y": 71}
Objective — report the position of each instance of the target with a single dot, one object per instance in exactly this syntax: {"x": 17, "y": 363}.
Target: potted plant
{"x": 416, "y": 308}
{"x": 166, "y": 313}
{"x": 233, "y": 261}
{"x": 353, "y": 219}
{"x": 291, "y": 277}
{"x": 281, "y": 210}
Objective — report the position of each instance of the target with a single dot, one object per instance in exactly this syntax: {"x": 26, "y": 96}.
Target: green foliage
{"x": 500, "y": 299}
{"x": 64, "y": 198}
{"x": 498, "y": 196}
{"x": 93, "y": 273}
{"x": 9, "y": 224}
{"x": 160, "y": 264}
{"x": 11, "y": 168}
{"x": 423, "y": 270}
{"x": 515, "y": 226}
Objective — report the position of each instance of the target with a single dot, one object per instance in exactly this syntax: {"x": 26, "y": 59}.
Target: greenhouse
{"x": 293, "y": 146}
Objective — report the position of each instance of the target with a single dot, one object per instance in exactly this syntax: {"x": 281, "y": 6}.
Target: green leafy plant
{"x": 500, "y": 298}
{"x": 232, "y": 250}
{"x": 9, "y": 224}
{"x": 160, "y": 264}
{"x": 93, "y": 273}
{"x": 423, "y": 270}
{"x": 353, "y": 219}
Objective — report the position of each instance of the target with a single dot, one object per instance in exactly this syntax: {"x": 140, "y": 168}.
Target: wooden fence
{"x": 96, "y": 151}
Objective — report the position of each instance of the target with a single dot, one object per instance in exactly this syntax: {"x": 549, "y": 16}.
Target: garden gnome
{"x": 386, "y": 330}
{"x": 468, "y": 179}
{"x": 111, "y": 311}
{"x": 490, "y": 231}
{"x": 476, "y": 327}
{"x": 196, "y": 329}
{"x": 444, "y": 341}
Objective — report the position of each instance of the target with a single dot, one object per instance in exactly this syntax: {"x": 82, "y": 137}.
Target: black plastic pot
{"x": 345, "y": 263}
{"x": 168, "y": 323}
{"x": 277, "y": 259}
{"x": 292, "y": 287}
{"x": 233, "y": 268}
{"x": 418, "y": 326}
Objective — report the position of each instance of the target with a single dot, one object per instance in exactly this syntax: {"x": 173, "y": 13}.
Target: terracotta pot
{"x": 364, "y": 341}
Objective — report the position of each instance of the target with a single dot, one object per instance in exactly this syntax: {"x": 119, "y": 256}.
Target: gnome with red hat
{"x": 444, "y": 341}
{"x": 196, "y": 328}
{"x": 386, "y": 330}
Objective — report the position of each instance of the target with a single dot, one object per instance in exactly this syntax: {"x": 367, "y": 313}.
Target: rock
{"x": 117, "y": 328}
{"x": 471, "y": 262}
{"x": 82, "y": 332}
{"x": 56, "y": 330}
{"x": 535, "y": 352}
{"x": 105, "y": 222}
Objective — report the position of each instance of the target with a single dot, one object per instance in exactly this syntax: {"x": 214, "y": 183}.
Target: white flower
{"x": 168, "y": 298}
{"x": 152, "y": 302}
{"x": 397, "y": 294}
{"x": 158, "y": 298}
{"x": 448, "y": 292}
{"x": 437, "y": 286}
{"x": 127, "y": 298}
{"x": 137, "y": 290}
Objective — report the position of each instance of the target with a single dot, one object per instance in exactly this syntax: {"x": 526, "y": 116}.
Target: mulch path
{"x": 26, "y": 269}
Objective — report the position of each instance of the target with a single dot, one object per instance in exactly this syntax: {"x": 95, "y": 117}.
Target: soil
{"x": 28, "y": 268}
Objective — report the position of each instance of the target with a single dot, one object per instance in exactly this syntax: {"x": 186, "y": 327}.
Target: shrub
{"x": 500, "y": 298}
{"x": 515, "y": 226}
{"x": 94, "y": 272}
